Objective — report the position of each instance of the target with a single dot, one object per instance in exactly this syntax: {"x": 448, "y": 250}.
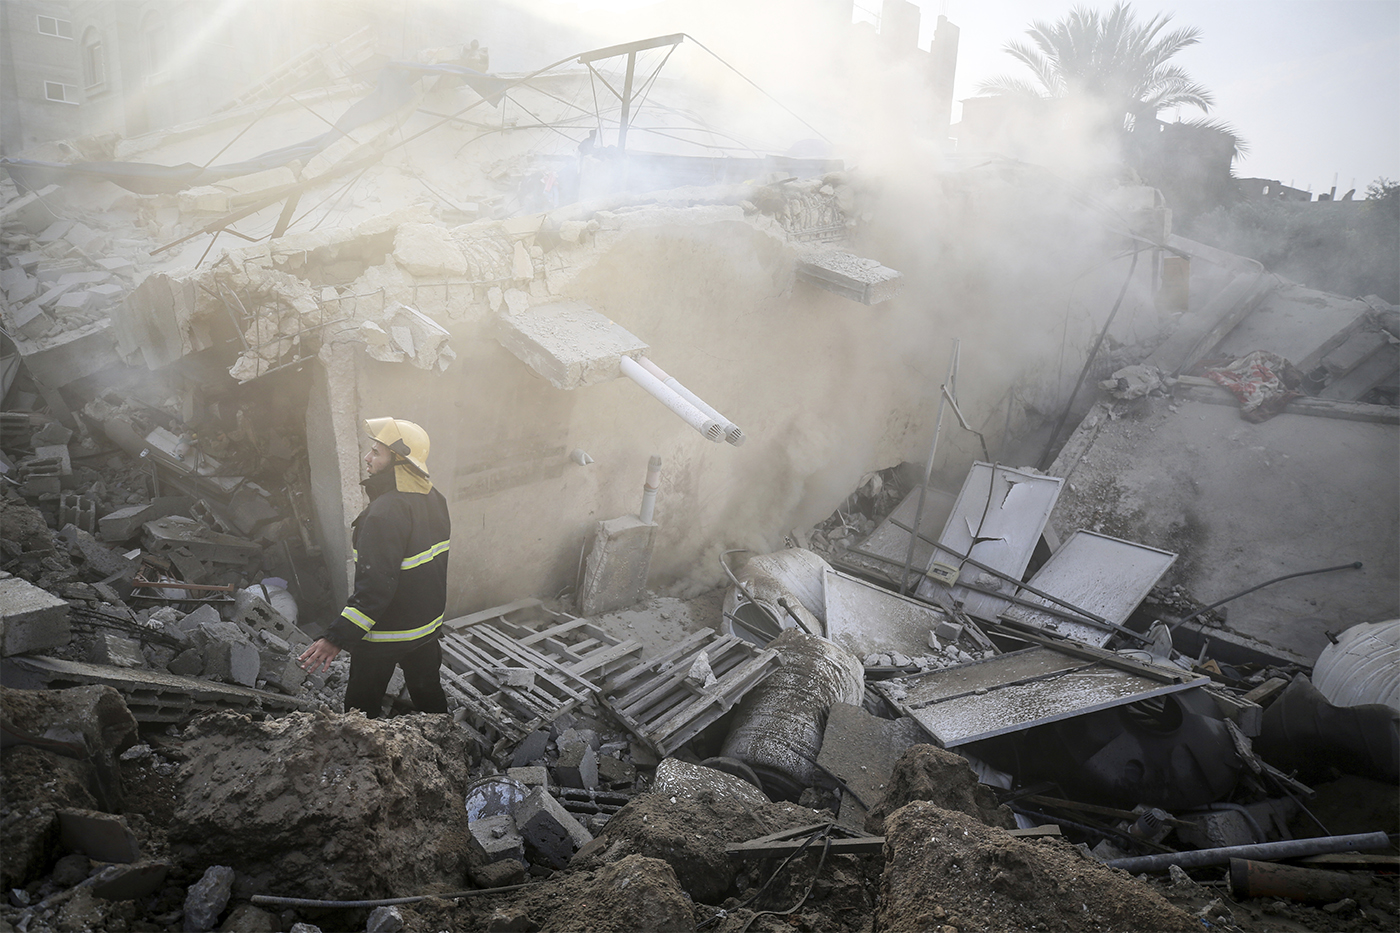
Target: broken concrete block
{"x": 31, "y": 619}
{"x": 31, "y": 320}
{"x": 54, "y": 231}
{"x": 496, "y": 838}
{"x": 84, "y": 278}
{"x": 51, "y": 433}
{"x": 75, "y": 302}
{"x": 204, "y": 199}
{"x": 106, "y": 293}
{"x": 127, "y": 882}
{"x": 254, "y": 612}
{"x": 614, "y": 772}
{"x": 206, "y": 899}
{"x": 532, "y": 776}
{"x": 577, "y": 766}
{"x": 232, "y": 662}
{"x": 174, "y": 532}
{"x": 848, "y": 275}
{"x": 57, "y": 452}
{"x": 428, "y": 249}
{"x": 83, "y": 237}
{"x": 116, "y": 650}
{"x": 29, "y": 212}
{"x": 101, "y": 836}
{"x": 568, "y": 343}
{"x": 550, "y": 832}
{"x": 116, "y": 264}
{"x": 19, "y": 287}
{"x": 124, "y": 523}
{"x": 532, "y": 748}
{"x": 99, "y": 559}
{"x": 188, "y": 663}
{"x": 615, "y": 575}
{"x": 201, "y": 616}
{"x": 49, "y": 297}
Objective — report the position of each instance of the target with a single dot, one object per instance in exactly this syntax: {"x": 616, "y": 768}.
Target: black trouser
{"x": 372, "y": 665}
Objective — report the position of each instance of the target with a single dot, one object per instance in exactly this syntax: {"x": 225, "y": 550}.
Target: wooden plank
{"x": 1194, "y": 389}
{"x": 642, "y": 669}
{"x": 486, "y": 615}
{"x": 1035, "y": 832}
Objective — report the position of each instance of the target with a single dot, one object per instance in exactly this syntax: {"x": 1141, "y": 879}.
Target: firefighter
{"x": 394, "y": 615}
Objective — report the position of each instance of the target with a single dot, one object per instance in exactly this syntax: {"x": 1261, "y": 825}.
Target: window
{"x": 60, "y": 93}
{"x": 94, "y": 60}
{"x": 52, "y": 26}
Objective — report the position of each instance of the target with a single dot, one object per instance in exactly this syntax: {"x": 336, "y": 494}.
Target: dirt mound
{"x": 947, "y": 870}
{"x": 689, "y": 834}
{"x": 927, "y": 772}
{"x": 327, "y": 805}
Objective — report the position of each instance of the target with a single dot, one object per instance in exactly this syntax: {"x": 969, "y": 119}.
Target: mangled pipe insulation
{"x": 732, "y": 433}
{"x": 713, "y": 430}
{"x": 653, "y": 483}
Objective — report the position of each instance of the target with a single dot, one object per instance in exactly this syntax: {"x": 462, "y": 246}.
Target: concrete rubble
{"x": 964, "y": 688}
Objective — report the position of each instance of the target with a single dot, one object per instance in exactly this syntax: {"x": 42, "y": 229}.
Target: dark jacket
{"x": 401, "y": 542}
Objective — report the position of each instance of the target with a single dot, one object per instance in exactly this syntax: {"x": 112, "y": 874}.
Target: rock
{"x": 245, "y": 918}
{"x": 206, "y": 898}
{"x": 384, "y": 920}
{"x": 499, "y": 874}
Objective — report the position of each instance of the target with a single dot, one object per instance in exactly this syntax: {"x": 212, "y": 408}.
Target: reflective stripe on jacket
{"x": 401, "y": 543}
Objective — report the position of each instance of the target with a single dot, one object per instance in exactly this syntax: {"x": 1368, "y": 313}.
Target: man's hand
{"x": 319, "y": 656}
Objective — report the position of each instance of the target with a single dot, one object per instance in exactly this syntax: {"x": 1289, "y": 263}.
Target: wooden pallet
{"x": 658, "y": 705}
{"x": 578, "y": 645}
{"x": 485, "y": 666}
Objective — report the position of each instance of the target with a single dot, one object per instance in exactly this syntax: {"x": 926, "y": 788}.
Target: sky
{"x": 1312, "y": 86}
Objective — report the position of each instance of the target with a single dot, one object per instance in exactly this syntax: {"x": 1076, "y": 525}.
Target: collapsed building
{"x": 1002, "y": 451}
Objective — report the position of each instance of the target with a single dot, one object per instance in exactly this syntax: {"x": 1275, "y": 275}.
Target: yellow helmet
{"x": 406, "y": 439}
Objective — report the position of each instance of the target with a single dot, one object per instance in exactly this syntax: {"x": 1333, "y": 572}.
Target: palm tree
{"x": 1110, "y": 58}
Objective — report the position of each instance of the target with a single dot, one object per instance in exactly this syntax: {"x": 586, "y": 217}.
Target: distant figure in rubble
{"x": 394, "y": 616}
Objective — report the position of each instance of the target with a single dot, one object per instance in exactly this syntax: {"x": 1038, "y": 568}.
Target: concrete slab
{"x": 568, "y": 343}
{"x": 615, "y": 574}
{"x": 1243, "y": 503}
{"x": 1292, "y": 322}
{"x": 862, "y": 749}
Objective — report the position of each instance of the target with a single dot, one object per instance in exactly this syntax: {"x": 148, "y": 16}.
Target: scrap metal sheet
{"x": 1018, "y": 691}
{"x": 891, "y": 541}
{"x": 997, "y": 519}
{"x": 1106, "y": 576}
{"x": 866, "y": 619}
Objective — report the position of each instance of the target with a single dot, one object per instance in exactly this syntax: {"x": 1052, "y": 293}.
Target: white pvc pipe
{"x": 732, "y": 433}
{"x": 653, "y": 483}
{"x": 713, "y": 430}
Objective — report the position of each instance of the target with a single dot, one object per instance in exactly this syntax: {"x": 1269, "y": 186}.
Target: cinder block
{"x": 496, "y": 838}
{"x": 58, "y": 452}
{"x": 550, "y": 832}
{"x": 74, "y": 302}
{"x": 31, "y": 619}
{"x": 577, "y": 766}
{"x": 192, "y": 622}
